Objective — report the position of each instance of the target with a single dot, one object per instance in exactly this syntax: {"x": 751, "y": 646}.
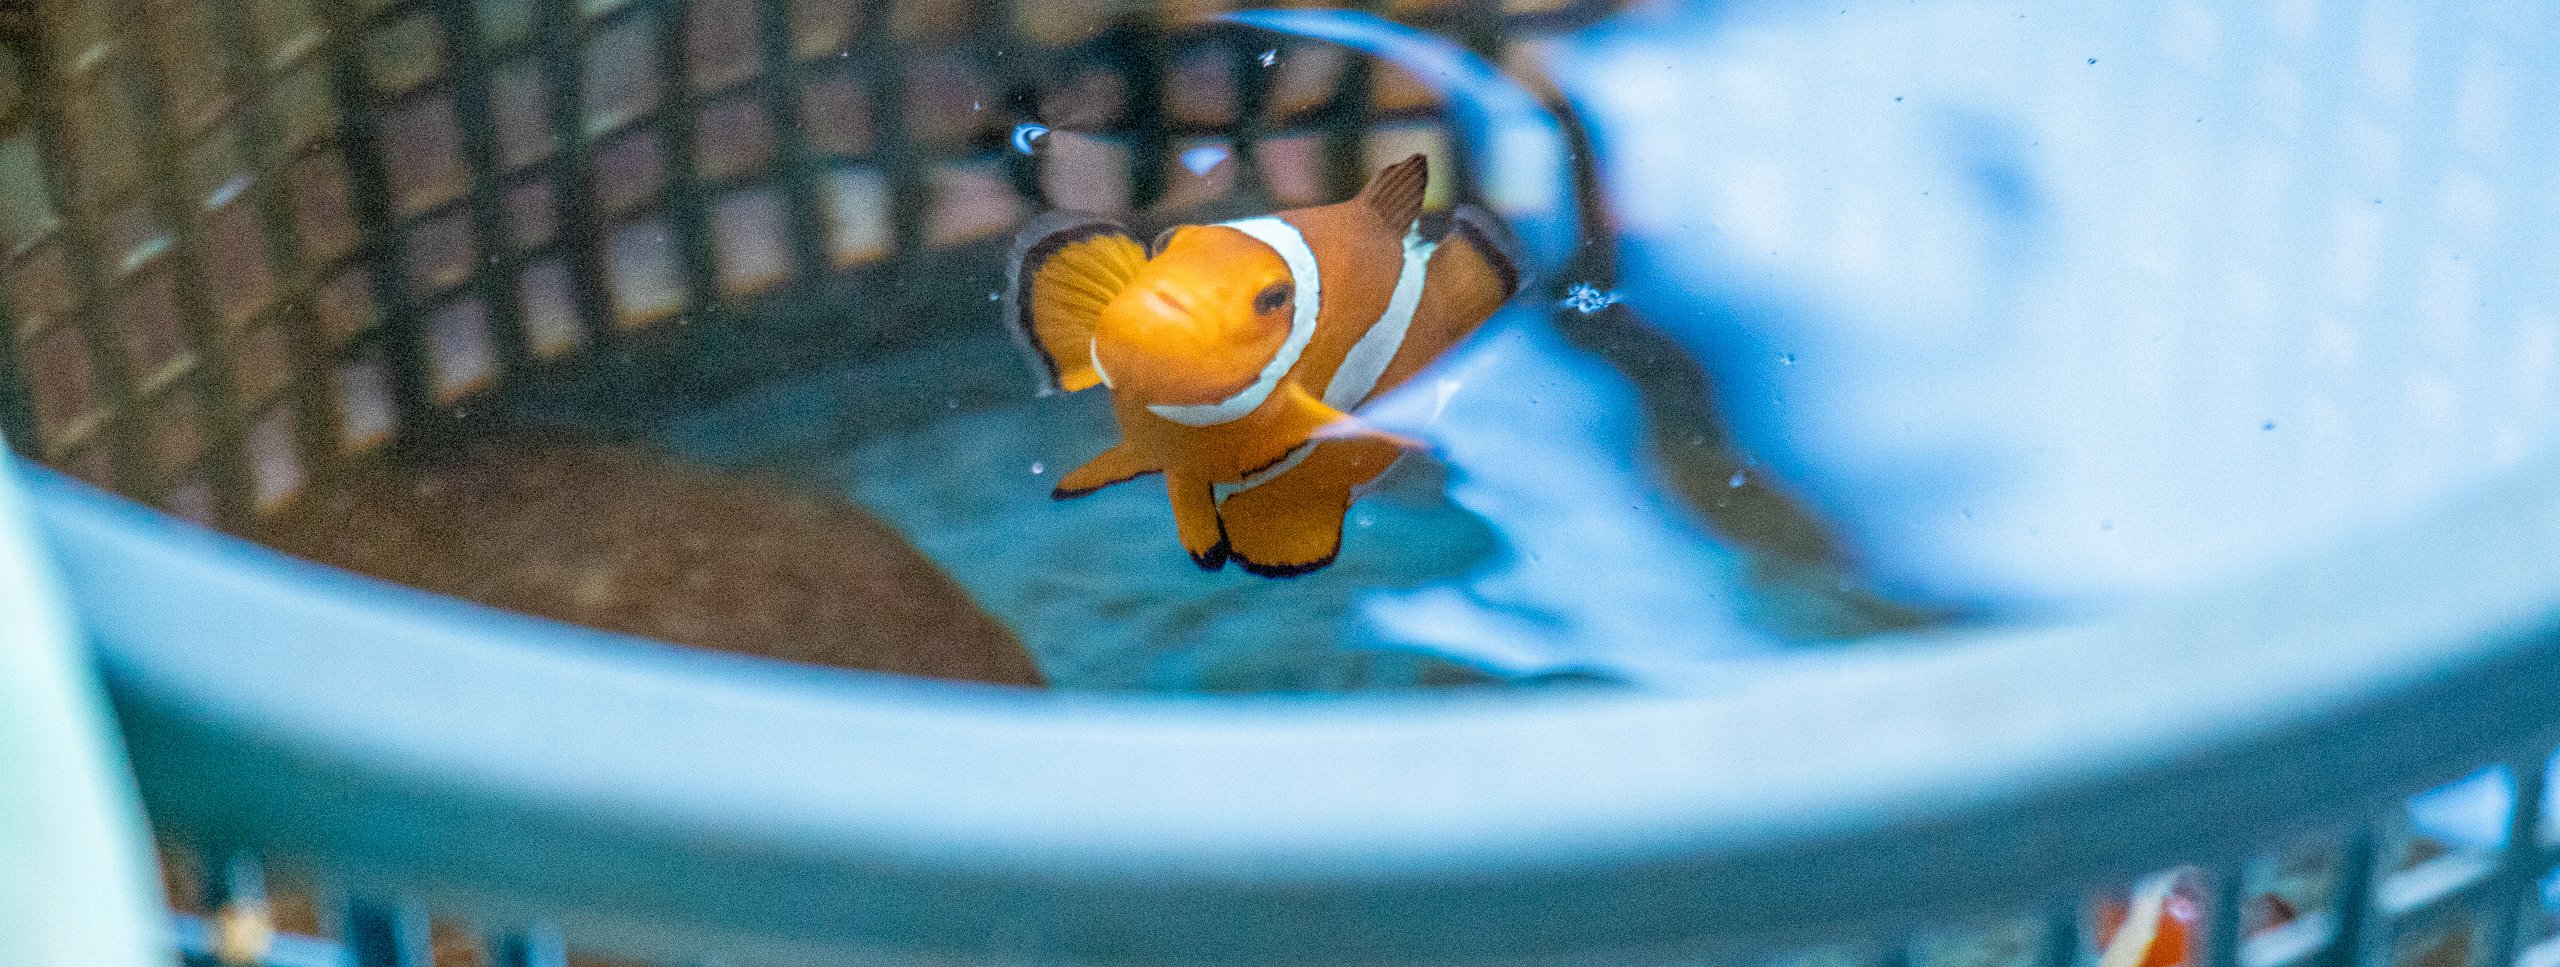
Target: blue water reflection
{"x": 2038, "y": 310}
{"x": 2095, "y": 299}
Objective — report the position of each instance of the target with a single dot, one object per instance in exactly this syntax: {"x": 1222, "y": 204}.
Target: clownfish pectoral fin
{"x": 1396, "y": 193}
{"x": 1120, "y": 464}
{"x": 1355, "y": 428}
{"x": 1292, "y": 524}
{"x": 1305, "y": 418}
{"x": 1297, "y": 417}
{"x": 1195, "y": 520}
{"x": 1066, "y": 266}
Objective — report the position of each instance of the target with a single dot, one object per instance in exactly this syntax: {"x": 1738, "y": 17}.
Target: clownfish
{"x": 2160, "y": 925}
{"x": 1235, "y": 353}
{"x": 2154, "y": 928}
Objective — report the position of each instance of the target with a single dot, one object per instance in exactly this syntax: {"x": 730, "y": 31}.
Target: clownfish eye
{"x": 1271, "y": 297}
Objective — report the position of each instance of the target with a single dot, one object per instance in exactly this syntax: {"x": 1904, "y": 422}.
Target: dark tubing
{"x": 660, "y": 801}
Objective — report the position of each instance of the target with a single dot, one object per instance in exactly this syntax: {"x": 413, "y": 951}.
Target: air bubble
{"x": 1735, "y": 480}
{"x": 1038, "y": 468}
{"x": 1586, "y": 298}
{"x": 1025, "y": 134}
{"x": 1269, "y": 57}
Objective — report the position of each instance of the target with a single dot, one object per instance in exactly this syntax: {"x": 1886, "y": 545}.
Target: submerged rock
{"x": 628, "y": 541}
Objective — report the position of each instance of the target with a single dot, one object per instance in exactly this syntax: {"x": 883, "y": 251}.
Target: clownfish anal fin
{"x": 1066, "y": 267}
{"x": 1195, "y": 520}
{"x": 1120, "y": 464}
{"x": 1395, "y": 194}
{"x": 1292, "y": 524}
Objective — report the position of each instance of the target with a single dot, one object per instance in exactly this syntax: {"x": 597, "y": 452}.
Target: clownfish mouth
{"x": 1168, "y": 378}
{"x": 1287, "y": 242}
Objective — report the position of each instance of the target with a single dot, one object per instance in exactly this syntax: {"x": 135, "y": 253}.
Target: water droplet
{"x": 1786, "y": 359}
{"x": 2269, "y": 425}
{"x": 1203, "y": 158}
{"x": 992, "y": 297}
{"x": 1024, "y": 134}
{"x": 1269, "y": 57}
{"x": 1038, "y": 468}
{"x": 975, "y": 106}
{"x": 1586, "y": 298}
{"x": 2093, "y": 60}
{"x": 1735, "y": 480}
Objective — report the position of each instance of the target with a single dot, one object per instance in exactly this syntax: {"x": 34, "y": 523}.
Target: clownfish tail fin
{"x": 1066, "y": 266}
{"x": 1395, "y": 194}
{"x": 1493, "y": 240}
{"x": 1120, "y": 464}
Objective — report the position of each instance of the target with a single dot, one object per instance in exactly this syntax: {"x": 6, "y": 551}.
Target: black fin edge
{"x": 1066, "y": 493}
{"x": 1038, "y": 240}
{"x": 1275, "y": 461}
{"x": 1218, "y": 554}
{"x": 1258, "y": 569}
{"x": 1491, "y": 237}
{"x": 1217, "y": 558}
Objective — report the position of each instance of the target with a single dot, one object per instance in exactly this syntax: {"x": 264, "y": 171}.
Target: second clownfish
{"x": 2159, "y": 925}
{"x": 1235, "y": 354}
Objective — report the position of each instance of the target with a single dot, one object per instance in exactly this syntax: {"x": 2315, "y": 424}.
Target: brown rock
{"x": 625, "y": 540}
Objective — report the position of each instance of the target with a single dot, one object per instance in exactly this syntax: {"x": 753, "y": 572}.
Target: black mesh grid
{"x": 245, "y": 242}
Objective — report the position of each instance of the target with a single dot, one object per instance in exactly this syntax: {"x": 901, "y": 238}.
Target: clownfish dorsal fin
{"x": 1066, "y": 267}
{"x": 1395, "y": 194}
{"x": 1492, "y": 240}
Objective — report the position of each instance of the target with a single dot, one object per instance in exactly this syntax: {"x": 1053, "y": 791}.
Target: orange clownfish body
{"x": 1236, "y": 352}
{"x": 2162, "y": 923}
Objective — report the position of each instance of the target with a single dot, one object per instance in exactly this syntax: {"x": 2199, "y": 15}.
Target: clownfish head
{"x": 1198, "y": 321}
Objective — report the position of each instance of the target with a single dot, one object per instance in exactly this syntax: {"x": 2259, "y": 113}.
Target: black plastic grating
{"x": 245, "y": 242}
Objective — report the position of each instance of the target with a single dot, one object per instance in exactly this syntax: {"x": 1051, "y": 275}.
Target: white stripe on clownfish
{"x": 1288, "y": 461}
{"x": 1285, "y": 239}
{"x": 1368, "y": 358}
{"x": 1093, "y": 352}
